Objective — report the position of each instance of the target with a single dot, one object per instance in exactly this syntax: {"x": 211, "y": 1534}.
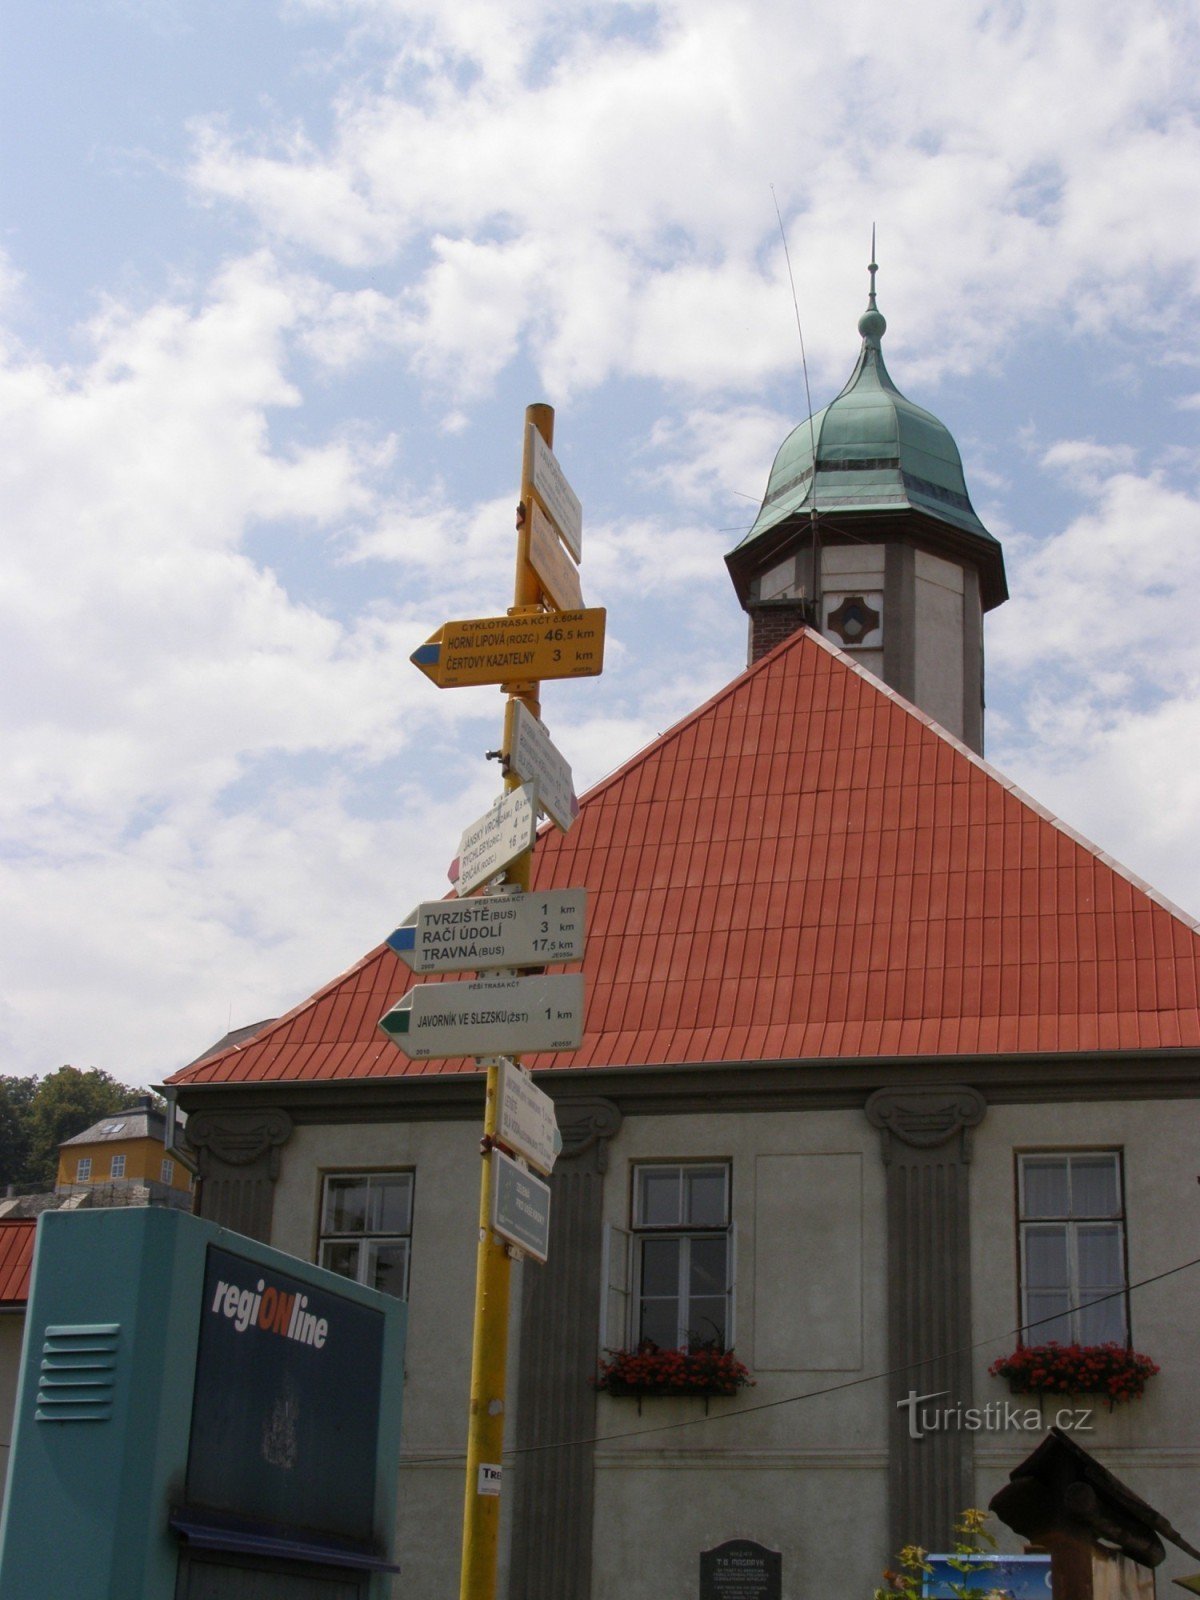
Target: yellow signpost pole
{"x": 493, "y": 1262}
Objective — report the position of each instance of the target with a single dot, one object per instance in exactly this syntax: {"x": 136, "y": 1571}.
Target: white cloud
{"x": 716, "y": 458}
{"x": 354, "y": 326}
{"x": 1086, "y": 463}
{"x": 147, "y": 651}
{"x": 462, "y": 556}
{"x": 649, "y": 556}
{"x": 1101, "y": 665}
{"x": 294, "y": 193}
{"x": 471, "y": 304}
{"x": 198, "y": 765}
{"x": 1116, "y": 588}
{"x": 204, "y": 918}
{"x": 221, "y": 769}
{"x": 600, "y": 191}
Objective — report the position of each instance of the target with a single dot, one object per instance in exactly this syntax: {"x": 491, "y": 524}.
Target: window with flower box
{"x": 366, "y": 1228}
{"x": 669, "y": 1278}
{"x": 1072, "y": 1248}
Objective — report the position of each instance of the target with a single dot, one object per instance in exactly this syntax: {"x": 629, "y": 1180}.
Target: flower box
{"x": 651, "y": 1371}
{"x": 1109, "y": 1370}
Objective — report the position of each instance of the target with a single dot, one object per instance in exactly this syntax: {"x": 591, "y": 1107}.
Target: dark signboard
{"x": 739, "y": 1569}
{"x": 286, "y": 1405}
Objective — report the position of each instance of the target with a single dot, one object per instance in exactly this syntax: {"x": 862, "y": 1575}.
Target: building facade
{"x": 885, "y": 1071}
{"x": 121, "y": 1154}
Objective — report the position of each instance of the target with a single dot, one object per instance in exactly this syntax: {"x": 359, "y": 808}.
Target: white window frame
{"x": 166, "y": 1172}
{"x": 1028, "y": 1223}
{"x": 622, "y": 1261}
{"x": 330, "y": 1239}
{"x": 83, "y": 1170}
{"x": 116, "y": 1168}
{"x": 616, "y": 1289}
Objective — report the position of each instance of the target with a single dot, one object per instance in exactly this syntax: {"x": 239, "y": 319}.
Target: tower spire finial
{"x": 872, "y": 324}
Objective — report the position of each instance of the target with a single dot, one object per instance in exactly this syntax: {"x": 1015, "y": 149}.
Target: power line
{"x": 810, "y": 1394}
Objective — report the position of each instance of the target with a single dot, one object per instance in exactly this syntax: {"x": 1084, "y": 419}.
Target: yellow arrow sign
{"x": 524, "y": 649}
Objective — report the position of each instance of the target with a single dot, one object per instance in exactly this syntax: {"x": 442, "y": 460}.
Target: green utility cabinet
{"x": 199, "y": 1417}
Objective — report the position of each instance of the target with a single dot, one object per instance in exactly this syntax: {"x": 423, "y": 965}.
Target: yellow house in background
{"x": 127, "y": 1150}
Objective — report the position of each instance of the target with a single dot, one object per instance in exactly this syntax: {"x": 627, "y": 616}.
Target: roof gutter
{"x": 173, "y": 1140}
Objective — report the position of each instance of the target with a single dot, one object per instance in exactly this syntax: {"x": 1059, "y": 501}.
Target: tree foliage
{"x": 37, "y": 1114}
{"x": 16, "y": 1127}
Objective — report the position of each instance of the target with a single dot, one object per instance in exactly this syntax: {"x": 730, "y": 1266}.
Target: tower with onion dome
{"x": 867, "y": 532}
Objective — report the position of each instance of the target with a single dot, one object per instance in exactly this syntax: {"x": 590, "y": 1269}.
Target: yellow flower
{"x": 913, "y": 1556}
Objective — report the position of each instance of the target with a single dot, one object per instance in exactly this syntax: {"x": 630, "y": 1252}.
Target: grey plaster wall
{"x": 444, "y": 1157}
{"x": 1153, "y": 1444}
{"x": 823, "y": 1515}
{"x": 797, "y": 1470}
{"x": 937, "y": 629}
{"x": 800, "y": 1462}
{"x": 858, "y": 569}
{"x": 808, "y": 1299}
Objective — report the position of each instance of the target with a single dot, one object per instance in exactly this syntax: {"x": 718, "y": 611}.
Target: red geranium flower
{"x": 650, "y": 1370}
{"x": 1106, "y": 1369}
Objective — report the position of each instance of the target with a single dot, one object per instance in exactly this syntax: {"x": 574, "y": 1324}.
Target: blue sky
{"x": 277, "y": 281}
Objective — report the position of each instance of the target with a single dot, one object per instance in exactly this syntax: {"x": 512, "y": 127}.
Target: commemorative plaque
{"x": 740, "y": 1569}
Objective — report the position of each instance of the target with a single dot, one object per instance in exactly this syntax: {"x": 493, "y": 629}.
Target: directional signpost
{"x": 525, "y": 1119}
{"x": 534, "y": 759}
{"x": 511, "y": 930}
{"x": 488, "y": 1017}
{"x": 519, "y": 649}
{"x": 557, "y": 574}
{"x": 547, "y": 633}
{"x": 556, "y": 494}
{"x": 497, "y": 839}
{"x": 520, "y": 1206}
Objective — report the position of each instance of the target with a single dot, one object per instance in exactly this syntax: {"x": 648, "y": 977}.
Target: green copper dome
{"x": 874, "y": 450}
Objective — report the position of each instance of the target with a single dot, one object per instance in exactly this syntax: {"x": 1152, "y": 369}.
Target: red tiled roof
{"x": 808, "y": 867}
{"x": 16, "y": 1259}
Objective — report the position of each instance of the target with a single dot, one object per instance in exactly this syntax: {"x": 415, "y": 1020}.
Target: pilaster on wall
{"x": 560, "y": 1316}
{"x": 237, "y": 1154}
{"x": 927, "y": 1150}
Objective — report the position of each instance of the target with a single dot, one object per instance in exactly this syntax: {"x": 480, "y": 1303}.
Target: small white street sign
{"x": 488, "y": 1017}
{"x": 488, "y": 845}
{"x": 525, "y": 1119}
{"x": 520, "y": 1206}
{"x": 535, "y": 759}
{"x": 501, "y": 930}
{"x": 556, "y": 494}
